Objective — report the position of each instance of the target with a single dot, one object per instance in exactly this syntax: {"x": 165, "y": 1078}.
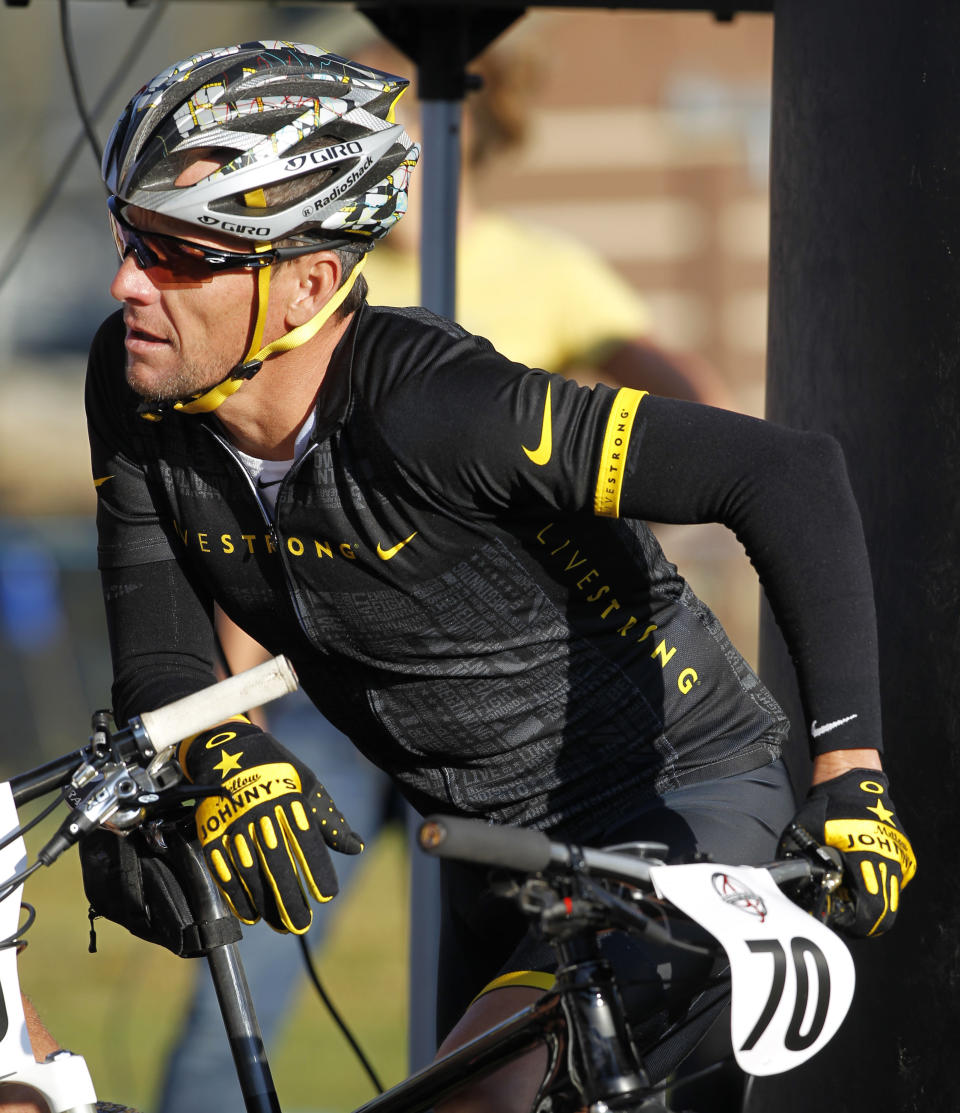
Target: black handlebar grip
{"x": 473, "y": 840}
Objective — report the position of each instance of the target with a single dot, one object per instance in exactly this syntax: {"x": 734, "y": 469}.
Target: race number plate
{"x": 792, "y": 978}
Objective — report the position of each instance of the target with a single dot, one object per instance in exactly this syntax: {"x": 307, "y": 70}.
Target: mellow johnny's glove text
{"x": 854, "y": 814}
{"x": 265, "y": 839}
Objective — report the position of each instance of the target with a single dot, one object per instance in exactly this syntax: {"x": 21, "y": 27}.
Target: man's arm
{"x": 160, "y": 628}
{"x": 787, "y": 496}
{"x": 41, "y": 1040}
{"x": 837, "y": 762}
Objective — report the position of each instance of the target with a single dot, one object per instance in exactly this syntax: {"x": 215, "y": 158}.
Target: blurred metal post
{"x": 865, "y": 344}
{"x": 440, "y": 187}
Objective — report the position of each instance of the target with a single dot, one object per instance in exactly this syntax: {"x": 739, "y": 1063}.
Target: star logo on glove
{"x": 228, "y": 762}
{"x": 882, "y": 813}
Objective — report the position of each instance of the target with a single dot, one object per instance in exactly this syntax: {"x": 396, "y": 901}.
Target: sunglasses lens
{"x": 168, "y": 261}
{"x": 178, "y": 261}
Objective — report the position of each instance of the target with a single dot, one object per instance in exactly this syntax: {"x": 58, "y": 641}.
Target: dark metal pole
{"x": 440, "y": 186}
{"x": 865, "y": 344}
{"x": 440, "y": 120}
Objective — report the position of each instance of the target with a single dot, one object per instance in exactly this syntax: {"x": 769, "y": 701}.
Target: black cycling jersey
{"x": 460, "y": 571}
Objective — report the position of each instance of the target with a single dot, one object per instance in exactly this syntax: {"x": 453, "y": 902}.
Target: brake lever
{"x": 828, "y": 902}
{"x": 154, "y": 806}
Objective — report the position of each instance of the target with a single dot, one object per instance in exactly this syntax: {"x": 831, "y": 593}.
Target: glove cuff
{"x": 192, "y": 750}
{"x": 850, "y": 782}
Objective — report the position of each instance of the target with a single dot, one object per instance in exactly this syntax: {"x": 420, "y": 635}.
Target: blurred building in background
{"x": 647, "y": 138}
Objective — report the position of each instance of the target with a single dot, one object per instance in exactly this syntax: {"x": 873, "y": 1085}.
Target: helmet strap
{"x": 207, "y": 401}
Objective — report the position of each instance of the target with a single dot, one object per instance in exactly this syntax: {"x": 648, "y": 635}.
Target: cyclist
{"x": 450, "y": 547}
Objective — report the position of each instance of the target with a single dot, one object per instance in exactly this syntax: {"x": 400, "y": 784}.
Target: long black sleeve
{"x": 161, "y": 636}
{"x": 787, "y": 497}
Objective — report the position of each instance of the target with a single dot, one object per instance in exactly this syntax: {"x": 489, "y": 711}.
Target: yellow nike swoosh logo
{"x": 541, "y": 454}
{"x": 100, "y": 482}
{"x": 389, "y": 554}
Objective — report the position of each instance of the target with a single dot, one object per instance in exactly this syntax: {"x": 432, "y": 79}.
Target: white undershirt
{"x": 267, "y": 475}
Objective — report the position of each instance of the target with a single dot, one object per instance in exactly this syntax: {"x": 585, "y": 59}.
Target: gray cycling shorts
{"x": 737, "y": 820}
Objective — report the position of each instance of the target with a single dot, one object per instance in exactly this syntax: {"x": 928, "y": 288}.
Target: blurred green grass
{"x": 120, "y": 1008}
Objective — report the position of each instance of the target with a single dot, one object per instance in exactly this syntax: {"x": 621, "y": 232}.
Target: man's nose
{"x": 131, "y": 282}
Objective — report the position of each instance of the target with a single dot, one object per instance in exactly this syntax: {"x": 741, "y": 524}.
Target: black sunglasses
{"x": 173, "y": 261}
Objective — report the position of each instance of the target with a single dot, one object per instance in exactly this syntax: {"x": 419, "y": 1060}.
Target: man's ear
{"x": 314, "y": 279}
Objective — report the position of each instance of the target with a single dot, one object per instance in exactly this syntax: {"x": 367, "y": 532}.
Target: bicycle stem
{"x": 602, "y": 1059}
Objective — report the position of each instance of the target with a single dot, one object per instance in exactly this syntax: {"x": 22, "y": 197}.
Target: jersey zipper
{"x": 269, "y": 523}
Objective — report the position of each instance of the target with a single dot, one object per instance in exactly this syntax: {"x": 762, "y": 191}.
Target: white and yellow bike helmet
{"x": 277, "y": 114}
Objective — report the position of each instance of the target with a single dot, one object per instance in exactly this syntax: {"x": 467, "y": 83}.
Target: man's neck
{"x": 266, "y": 413}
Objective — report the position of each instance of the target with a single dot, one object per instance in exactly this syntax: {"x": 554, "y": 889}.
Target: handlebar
{"x": 158, "y": 732}
{"x": 117, "y": 776}
{"x": 168, "y": 726}
{"x": 519, "y": 848}
{"x": 528, "y": 851}
{"x": 120, "y": 778}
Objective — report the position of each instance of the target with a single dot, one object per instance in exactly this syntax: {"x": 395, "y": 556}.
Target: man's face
{"x": 182, "y": 338}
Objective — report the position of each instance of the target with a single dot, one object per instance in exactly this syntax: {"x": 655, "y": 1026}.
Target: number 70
{"x": 794, "y": 1040}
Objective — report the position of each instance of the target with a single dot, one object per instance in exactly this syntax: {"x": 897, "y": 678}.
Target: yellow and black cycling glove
{"x": 854, "y": 814}
{"x": 265, "y": 838}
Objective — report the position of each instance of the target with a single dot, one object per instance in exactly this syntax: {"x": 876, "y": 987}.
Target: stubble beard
{"x": 184, "y": 381}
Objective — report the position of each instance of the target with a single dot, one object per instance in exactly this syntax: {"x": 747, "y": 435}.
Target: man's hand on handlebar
{"x": 854, "y": 813}
{"x": 265, "y": 838}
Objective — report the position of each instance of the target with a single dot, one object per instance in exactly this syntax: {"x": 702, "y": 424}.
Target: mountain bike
{"x": 619, "y": 1018}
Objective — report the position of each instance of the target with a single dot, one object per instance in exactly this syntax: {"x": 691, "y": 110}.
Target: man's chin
{"x": 147, "y": 386}
{"x": 155, "y": 385}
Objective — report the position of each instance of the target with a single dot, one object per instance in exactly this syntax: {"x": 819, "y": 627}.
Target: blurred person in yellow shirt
{"x": 541, "y": 297}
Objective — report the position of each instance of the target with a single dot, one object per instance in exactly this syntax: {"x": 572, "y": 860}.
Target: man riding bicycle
{"x": 451, "y": 548}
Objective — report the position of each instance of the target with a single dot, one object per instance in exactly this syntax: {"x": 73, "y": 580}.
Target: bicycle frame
{"x": 541, "y": 1022}
{"x": 583, "y": 1017}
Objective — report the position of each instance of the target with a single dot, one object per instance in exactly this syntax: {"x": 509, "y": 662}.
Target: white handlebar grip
{"x": 169, "y": 725}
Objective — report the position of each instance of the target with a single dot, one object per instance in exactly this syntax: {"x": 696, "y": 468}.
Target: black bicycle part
{"x": 419, "y": 1093}
{"x": 602, "y": 1060}
{"x": 527, "y": 851}
{"x": 466, "y": 840}
{"x": 18, "y": 879}
{"x": 17, "y": 940}
{"x": 226, "y": 972}
{"x": 48, "y": 777}
{"x": 20, "y": 831}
